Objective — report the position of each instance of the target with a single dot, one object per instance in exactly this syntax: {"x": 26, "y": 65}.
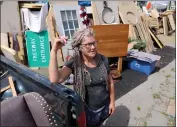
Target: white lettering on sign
{"x": 34, "y": 52}
{"x": 42, "y": 51}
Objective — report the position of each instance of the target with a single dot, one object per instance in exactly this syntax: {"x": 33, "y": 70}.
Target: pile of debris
{"x": 145, "y": 25}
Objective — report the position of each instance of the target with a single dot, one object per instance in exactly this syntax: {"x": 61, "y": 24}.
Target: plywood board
{"x": 128, "y": 12}
{"x": 112, "y": 39}
{"x": 165, "y": 26}
{"x": 97, "y": 8}
{"x": 172, "y": 22}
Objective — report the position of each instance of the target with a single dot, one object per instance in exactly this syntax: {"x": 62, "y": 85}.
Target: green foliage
{"x": 140, "y": 44}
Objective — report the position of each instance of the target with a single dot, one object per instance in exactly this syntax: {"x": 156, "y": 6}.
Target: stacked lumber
{"x": 146, "y": 27}
{"x": 164, "y": 24}
{"x": 140, "y": 24}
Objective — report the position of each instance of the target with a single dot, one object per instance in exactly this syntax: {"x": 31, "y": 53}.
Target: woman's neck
{"x": 89, "y": 61}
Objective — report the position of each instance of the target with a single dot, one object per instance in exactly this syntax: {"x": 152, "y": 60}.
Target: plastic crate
{"x": 141, "y": 66}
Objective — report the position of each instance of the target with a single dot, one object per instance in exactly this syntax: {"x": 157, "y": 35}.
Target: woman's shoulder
{"x": 103, "y": 57}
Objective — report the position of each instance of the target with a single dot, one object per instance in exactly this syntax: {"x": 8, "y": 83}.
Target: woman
{"x": 92, "y": 79}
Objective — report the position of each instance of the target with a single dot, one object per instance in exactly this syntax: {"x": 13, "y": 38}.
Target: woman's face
{"x": 88, "y": 46}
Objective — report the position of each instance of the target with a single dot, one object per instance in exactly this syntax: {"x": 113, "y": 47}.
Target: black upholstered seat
{"x": 29, "y": 109}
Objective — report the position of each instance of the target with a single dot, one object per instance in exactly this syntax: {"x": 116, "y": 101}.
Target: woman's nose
{"x": 93, "y": 46}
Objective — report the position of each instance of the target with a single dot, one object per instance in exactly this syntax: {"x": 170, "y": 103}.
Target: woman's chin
{"x": 93, "y": 54}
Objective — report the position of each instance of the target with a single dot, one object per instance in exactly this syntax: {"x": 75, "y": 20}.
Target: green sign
{"x": 38, "y": 48}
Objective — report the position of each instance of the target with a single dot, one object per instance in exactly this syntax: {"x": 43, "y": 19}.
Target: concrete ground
{"x": 146, "y": 105}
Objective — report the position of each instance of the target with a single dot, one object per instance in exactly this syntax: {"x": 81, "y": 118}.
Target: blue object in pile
{"x": 141, "y": 66}
{"x": 84, "y": 3}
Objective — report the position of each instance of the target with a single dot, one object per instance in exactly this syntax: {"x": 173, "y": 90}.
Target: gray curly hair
{"x": 80, "y": 72}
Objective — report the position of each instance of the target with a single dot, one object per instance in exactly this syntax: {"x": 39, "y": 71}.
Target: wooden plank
{"x": 165, "y": 26}
{"x": 4, "y": 73}
{"x": 95, "y": 14}
{"x": 14, "y": 93}
{"x": 53, "y": 34}
{"x": 156, "y": 40}
{"x": 21, "y": 53}
{"x": 25, "y": 5}
{"x": 136, "y": 32}
{"x": 172, "y": 23}
{"x": 119, "y": 66}
{"x": 112, "y": 39}
{"x": 130, "y": 34}
{"x": 5, "y": 88}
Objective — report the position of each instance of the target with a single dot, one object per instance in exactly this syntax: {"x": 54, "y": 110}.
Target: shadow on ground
{"x": 120, "y": 117}
{"x": 131, "y": 79}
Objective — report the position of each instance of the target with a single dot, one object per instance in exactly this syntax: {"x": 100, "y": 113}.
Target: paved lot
{"x": 147, "y": 103}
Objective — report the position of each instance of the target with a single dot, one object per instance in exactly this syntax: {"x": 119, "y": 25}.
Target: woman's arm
{"x": 112, "y": 94}
{"x": 56, "y": 76}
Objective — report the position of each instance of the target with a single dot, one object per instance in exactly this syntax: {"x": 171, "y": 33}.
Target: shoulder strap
{"x": 105, "y": 61}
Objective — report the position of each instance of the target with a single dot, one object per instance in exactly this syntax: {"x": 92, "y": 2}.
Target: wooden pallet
{"x": 142, "y": 29}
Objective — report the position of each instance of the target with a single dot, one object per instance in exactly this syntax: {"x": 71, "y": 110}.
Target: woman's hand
{"x": 111, "y": 108}
{"x": 59, "y": 42}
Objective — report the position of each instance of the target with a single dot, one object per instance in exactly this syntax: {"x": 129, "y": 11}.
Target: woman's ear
{"x": 80, "y": 48}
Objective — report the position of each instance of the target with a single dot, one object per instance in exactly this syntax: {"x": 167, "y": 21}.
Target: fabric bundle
{"x": 35, "y": 20}
{"x": 147, "y": 57}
